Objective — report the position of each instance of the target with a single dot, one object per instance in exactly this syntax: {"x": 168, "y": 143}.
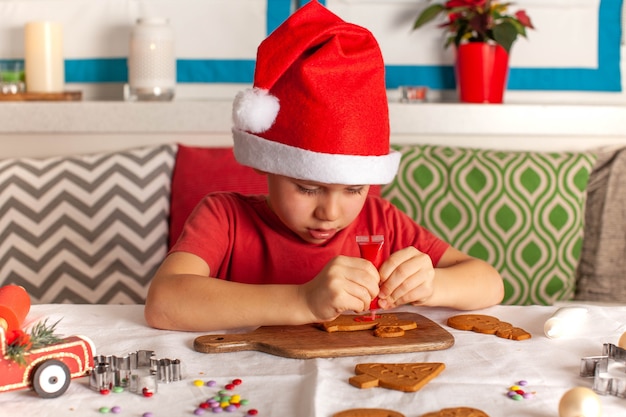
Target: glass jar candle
{"x": 152, "y": 61}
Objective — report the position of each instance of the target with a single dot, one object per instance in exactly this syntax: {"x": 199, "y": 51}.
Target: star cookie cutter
{"x": 135, "y": 371}
{"x": 597, "y": 367}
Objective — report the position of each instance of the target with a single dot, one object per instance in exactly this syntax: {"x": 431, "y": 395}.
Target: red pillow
{"x": 200, "y": 171}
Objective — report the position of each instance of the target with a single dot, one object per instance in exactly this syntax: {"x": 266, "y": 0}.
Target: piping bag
{"x": 371, "y": 248}
{"x": 565, "y": 321}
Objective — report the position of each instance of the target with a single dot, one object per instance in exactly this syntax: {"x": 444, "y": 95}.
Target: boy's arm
{"x": 182, "y": 296}
{"x": 465, "y": 283}
{"x": 458, "y": 281}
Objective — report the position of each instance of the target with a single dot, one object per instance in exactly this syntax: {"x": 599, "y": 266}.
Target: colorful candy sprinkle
{"x": 517, "y": 393}
{"x": 116, "y": 409}
{"x": 225, "y": 400}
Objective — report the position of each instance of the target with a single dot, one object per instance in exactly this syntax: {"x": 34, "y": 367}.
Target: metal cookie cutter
{"x": 136, "y": 371}
{"x": 595, "y": 366}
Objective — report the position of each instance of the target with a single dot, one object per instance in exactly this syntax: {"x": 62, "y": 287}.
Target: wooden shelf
{"x": 41, "y": 128}
{"x": 64, "y": 96}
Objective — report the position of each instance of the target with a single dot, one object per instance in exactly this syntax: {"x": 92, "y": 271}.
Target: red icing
{"x": 366, "y": 318}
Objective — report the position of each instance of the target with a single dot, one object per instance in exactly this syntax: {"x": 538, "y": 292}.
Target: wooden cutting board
{"x": 310, "y": 341}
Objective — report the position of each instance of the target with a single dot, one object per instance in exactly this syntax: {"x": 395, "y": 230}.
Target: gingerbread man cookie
{"x": 481, "y": 323}
{"x": 385, "y": 325}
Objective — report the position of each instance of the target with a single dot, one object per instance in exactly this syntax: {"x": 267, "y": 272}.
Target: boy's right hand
{"x": 345, "y": 284}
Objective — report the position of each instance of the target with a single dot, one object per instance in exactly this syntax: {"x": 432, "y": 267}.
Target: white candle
{"x": 43, "y": 56}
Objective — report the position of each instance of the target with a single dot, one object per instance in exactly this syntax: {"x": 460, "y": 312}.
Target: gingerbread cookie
{"x": 390, "y": 320}
{"x": 368, "y": 412}
{"x": 348, "y": 323}
{"x": 406, "y": 377}
{"x": 389, "y": 331}
{"x": 385, "y": 325}
{"x": 457, "y": 412}
{"x": 481, "y": 323}
{"x": 513, "y": 333}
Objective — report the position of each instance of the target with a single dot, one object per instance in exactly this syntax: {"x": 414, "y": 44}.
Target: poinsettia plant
{"x": 477, "y": 21}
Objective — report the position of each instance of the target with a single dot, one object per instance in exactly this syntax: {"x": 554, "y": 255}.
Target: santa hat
{"x": 318, "y": 109}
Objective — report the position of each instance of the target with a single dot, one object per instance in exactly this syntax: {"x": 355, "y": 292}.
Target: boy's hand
{"x": 407, "y": 277}
{"x": 345, "y": 284}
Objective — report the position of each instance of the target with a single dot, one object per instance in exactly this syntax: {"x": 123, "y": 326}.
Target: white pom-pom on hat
{"x": 255, "y": 110}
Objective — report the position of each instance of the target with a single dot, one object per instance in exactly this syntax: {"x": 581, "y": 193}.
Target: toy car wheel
{"x": 51, "y": 379}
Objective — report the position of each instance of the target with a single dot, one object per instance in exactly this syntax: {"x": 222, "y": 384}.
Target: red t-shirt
{"x": 242, "y": 240}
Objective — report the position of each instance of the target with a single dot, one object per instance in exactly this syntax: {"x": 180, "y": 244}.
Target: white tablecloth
{"x": 479, "y": 369}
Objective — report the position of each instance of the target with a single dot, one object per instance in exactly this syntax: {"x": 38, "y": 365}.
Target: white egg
{"x": 622, "y": 341}
{"x": 580, "y": 402}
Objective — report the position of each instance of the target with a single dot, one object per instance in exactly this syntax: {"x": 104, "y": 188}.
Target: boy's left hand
{"x": 406, "y": 277}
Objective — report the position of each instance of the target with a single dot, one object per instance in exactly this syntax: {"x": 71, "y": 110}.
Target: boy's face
{"x": 315, "y": 211}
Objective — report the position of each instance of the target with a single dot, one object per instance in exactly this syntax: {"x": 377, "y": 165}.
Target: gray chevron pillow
{"x": 85, "y": 229}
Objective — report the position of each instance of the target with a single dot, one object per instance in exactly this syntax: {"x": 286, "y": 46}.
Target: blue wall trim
{"x": 606, "y": 77}
{"x": 96, "y": 70}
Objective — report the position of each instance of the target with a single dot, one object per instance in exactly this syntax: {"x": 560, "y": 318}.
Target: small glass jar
{"x": 152, "y": 61}
{"x": 12, "y": 77}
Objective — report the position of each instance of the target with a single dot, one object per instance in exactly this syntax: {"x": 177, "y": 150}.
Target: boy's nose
{"x": 328, "y": 207}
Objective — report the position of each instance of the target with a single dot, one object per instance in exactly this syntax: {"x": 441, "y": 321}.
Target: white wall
{"x": 200, "y": 114}
{"x": 566, "y": 35}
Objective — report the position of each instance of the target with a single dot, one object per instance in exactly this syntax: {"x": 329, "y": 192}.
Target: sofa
{"x": 94, "y": 228}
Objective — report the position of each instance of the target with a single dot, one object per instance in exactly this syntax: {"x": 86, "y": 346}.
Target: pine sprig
{"x": 41, "y": 335}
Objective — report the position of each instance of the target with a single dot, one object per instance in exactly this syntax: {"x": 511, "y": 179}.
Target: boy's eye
{"x": 355, "y": 190}
{"x": 307, "y": 190}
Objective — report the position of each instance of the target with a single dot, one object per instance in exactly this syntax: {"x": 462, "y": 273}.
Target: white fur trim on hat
{"x": 255, "y": 110}
{"x": 278, "y": 158}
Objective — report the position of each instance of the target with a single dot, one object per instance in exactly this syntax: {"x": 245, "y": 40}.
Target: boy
{"x": 316, "y": 124}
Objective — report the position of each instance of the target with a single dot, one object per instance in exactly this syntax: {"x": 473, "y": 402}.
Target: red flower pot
{"x": 481, "y": 72}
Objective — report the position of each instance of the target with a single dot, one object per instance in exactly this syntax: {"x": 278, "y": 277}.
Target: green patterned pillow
{"x": 520, "y": 211}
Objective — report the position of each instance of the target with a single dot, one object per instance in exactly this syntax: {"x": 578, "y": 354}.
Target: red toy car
{"x": 48, "y": 370}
